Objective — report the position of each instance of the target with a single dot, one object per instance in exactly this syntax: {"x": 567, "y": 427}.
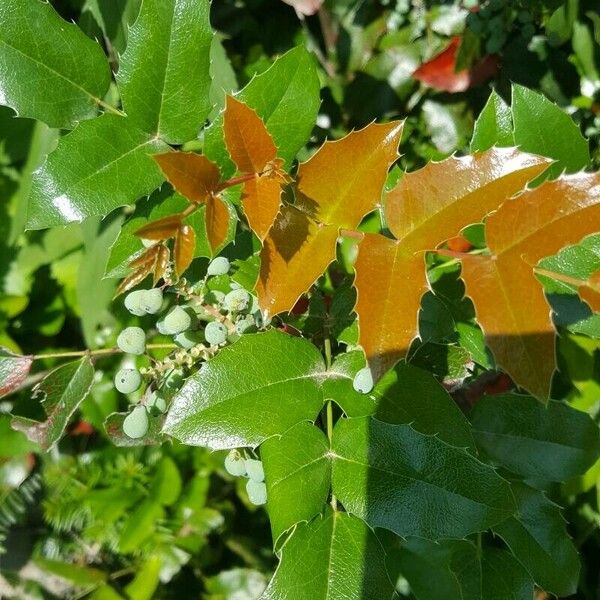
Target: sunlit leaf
{"x": 261, "y": 199}
{"x": 302, "y": 241}
{"x": 426, "y": 208}
{"x": 163, "y": 229}
{"x": 185, "y": 244}
{"x": 217, "y": 221}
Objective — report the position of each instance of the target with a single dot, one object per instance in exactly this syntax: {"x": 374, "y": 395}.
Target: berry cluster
{"x": 239, "y": 466}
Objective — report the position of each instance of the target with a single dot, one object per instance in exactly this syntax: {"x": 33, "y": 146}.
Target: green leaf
{"x": 538, "y": 538}
{"x": 235, "y": 583}
{"x": 166, "y": 485}
{"x": 493, "y": 126}
{"x": 114, "y": 17}
{"x": 334, "y": 557}
{"x": 259, "y": 387}
{"x": 81, "y": 576}
{"x": 286, "y": 98}
{"x": 412, "y": 484}
{"x": 49, "y": 69}
{"x": 223, "y": 77}
{"x": 62, "y": 392}
{"x": 140, "y": 525}
{"x": 541, "y": 127}
{"x": 552, "y": 443}
{"x": 162, "y": 203}
{"x": 163, "y": 75}
{"x": 101, "y": 165}
{"x": 113, "y": 425}
{"x": 297, "y": 474}
{"x": 503, "y": 577}
{"x": 146, "y": 580}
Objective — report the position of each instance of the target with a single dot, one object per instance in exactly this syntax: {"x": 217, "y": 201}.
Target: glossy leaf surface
{"x": 334, "y": 557}
{"x": 101, "y": 165}
{"x": 302, "y": 241}
{"x": 297, "y": 474}
{"x": 426, "y": 208}
{"x": 49, "y": 69}
{"x": 494, "y": 125}
{"x": 278, "y": 387}
{"x": 13, "y": 370}
{"x": 396, "y": 478}
{"x": 163, "y": 75}
{"x": 516, "y": 321}
{"x": 551, "y": 443}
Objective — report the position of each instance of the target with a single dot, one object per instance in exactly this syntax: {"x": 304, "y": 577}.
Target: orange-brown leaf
{"x": 160, "y": 230}
{"x": 336, "y": 188}
{"x": 261, "y": 199}
{"x": 425, "y": 209}
{"x": 147, "y": 257}
{"x": 217, "y": 221}
{"x": 590, "y": 292}
{"x": 509, "y": 301}
{"x": 185, "y": 245}
{"x": 160, "y": 264}
{"x": 249, "y": 143}
{"x": 192, "y": 175}
{"x": 133, "y": 279}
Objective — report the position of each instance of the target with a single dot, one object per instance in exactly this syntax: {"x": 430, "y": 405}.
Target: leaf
{"x": 154, "y": 261}
{"x": 302, "y": 241}
{"x": 166, "y": 485}
{"x": 286, "y": 98}
{"x": 493, "y": 126}
{"x": 503, "y": 577}
{"x": 192, "y": 175}
{"x": 509, "y": 303}
{"x": 543, "y": 128}
{"x": 538, "y": 538}
{"x": 79, "y": 575}
{"x": 414, "y": 485}
{"x": 223, "y": 76}
{"x": 185, "y": 244}
{"x": 217, "y": 220}
{"x": 334, "y": 557}
{"x": 160, "y": 230}
{"x": 426, "y": 208}
{"x": 440, "y": 72}
{"x": 551, "y": 443}
{"x": 49, "y": 69}
{"x": 13, "y": 370}
{"x": 297, "y": 466}
{"x": 163, "y": 76}
{"x": 101, "y": 165}
{"x": 114, "y": 430}
{"x": 63, "y": 391}
{"x": 261, "y": 199}
{"x": 226, "y": 406}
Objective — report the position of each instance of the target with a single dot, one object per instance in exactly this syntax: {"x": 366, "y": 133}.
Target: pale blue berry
{"x": 215, "y": 333}
{"x": 218, "y": 266}
{"x": 255, "y": 471}
{"x": 127, "y": 380}
{"x": 136, "y": 423}
{"x": 176, "y": 321}
{"x": 133, "y": 303}
{"x": 132, "y": 340}
{"x": 363, "y": 381}
{"x": 236, "y": 300}
{"x": 235, "y": 464}
{"x": 151, "y": 300}
{"x": 257, "y": 492}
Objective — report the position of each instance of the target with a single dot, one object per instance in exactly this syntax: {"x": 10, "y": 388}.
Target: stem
{"x": 100, "y": 352}
{"x": 329, "y": 410}
{"x": 236, "y": 180}
{"x": 354, "y": 235}
{"x": 108, "y": 108}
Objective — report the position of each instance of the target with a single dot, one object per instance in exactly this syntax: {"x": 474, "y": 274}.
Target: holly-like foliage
{"x": 281, "y": 311}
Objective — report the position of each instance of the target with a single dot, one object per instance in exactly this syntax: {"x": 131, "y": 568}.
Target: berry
{"x": 160, "y": 326}
{"x": 215, "y": 333}
{"x": 244, "y": 324}
{"x": 128, "y": 380}
{"x": 218, "y": 266}
{"x": 237, "y": 300}
{"x": 363, "y": 381}
{"x": 151, "y": 300}
{"x": 156, "y": 402}
{"x": 255, "y": 470}
{"x": 188, "y": 339}
{"x": 176, "y": 321}
{"x": 133, "y": 303}
{"x": 235, "y": 464}
{"x": 135, "y": 424}
{"x": 257, "y": 492}
{"x": 215, "y": 297}
{"x": 132, "y": 340}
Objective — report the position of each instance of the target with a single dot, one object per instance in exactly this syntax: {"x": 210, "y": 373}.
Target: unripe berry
{"x": 215, "y": 333}
{"x": 235, "y": 464}
{"x": 136, "y": 423}
{"x": 236, "y": 300}
{"x": 257, "y": 492}
{"x": 128, "y": 380}
{"x": 218, "y": 266}
{"x": 132, "y": 340}
{"x": 156, "y": 402}
{"x": 176, "y": 321}
{"x": 188, "y": 339}
{"x": 133, "y": 303}
{"x": 363, "y": 381}
{"x": 255, "y": 470}
{"x": 151, "y": 300}
{"x": 244, "y": 324}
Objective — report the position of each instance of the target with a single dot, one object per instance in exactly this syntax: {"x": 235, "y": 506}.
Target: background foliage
{"x": 169, "y": 521}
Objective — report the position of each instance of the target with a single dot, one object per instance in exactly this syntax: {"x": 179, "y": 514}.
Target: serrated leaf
{"x": 503, "y": 577}
{"x": 538, "y": 538}
{"x": 543, "y": 128}
{"x": 285, "y": 97}
{"x": 426, "y": 208}
{"x": 396, "y": 478}
{"x": 163, "y": 76}
{"x": 217, "y": 219}
{"x": 493, "y": 126}
{"x": 49, "y": 69}
{"x": 185, "y": 245}
{"x": 334, "y": 557}
{"x": 551, "y": 443}
{"x": 519, "y": 234}
{"x": 63, "y": 391}
{"x": 302, "y": 241}
{"x": 14, "y": 369}
{"x": 298, "y": 476}
{"x": 259, "y": 387}
{"x": 101, "y": 165}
